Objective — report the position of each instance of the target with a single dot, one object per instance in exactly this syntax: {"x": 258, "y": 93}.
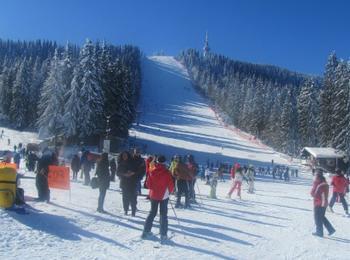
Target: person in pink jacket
{"x": 340, "y": 184}
{"x": 237, "y": 182}
{"x": 319, "y": 192}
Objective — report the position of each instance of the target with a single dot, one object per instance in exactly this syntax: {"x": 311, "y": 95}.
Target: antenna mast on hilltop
{"x": 206, "y": 48}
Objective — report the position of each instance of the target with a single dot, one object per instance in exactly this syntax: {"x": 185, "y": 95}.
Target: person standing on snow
{"x": 213, "y": 185}
{"x": 250, "y": 177}
{"x": 75, "y": 166}
{"x": 113, "y": 168}
{"x": 160, "y": 184}
{"x": 319, "y": 192}
{"x": 86, "y": 166}
{"x": 102, "y": 172}
{"x": 138, "y": 164}
{"x": 193, "y": 170}
{"x": 237, "y": 179}
{"x": 207, "y": 173}
{"x": 182, "y": 176}
{"x": 339, "y": 183}
{"x": 48, "y": 158}
{"x": 128, "y": 182}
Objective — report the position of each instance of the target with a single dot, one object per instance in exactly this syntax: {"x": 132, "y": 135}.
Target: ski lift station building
{"x": 324, "y": 157}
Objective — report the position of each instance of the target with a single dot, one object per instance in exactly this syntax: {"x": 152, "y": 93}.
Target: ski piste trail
{"x": 274, "y": 223}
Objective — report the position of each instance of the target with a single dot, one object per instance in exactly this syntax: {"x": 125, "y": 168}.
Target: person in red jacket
{"x": 340, "y": 184}
{"x": 160, "y": 185}
{"x": 319, "y": 192}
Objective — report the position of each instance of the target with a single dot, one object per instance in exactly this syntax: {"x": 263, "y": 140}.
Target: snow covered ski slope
{"x": 175, "y": 119}
{"x": 274, "y": 223}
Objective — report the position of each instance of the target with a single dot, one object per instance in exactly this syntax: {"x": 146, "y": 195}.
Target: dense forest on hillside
{"x": 286, "y": 110}
{"x": 67, "y": 90}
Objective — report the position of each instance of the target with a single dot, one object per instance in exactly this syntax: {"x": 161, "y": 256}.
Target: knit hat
{"x": 161, "y": 159}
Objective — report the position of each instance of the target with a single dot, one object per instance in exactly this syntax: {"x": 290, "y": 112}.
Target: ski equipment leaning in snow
{"x": 160, "y": 184}
{"x": 319, "y": 192}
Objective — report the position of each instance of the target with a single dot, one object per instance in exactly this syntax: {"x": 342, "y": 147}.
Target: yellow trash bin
{"x": 7, "y": 187}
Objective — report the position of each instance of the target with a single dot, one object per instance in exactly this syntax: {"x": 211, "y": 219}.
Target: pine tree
{"x": 90, "y": 93}
{"x": 73, "y": 105}
{"x": 340, "y": 109}
{"x": 327, "y": 100}
{"x": 307, "y": 107}
{"x": 51, "y": 104}
{"x": 20, "y": 96}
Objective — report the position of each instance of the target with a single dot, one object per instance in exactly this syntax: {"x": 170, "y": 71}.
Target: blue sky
{"x": 295, "y": 34}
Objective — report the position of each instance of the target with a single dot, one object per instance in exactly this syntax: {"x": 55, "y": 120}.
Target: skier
{"x": 102, "y": 172}
{"x": 160, "y": 184}
{"x": 250, "y": 177}
{"x": 75, "y": 166}
{"x": 128, "y": 182}
{"x": 286, "y": 174}
{"x": 182, "y": 176}
{"x": 207, "y": 175}
{"x": 339, "y": 183}
{"x": 213, "y": 185}
{"x": 319, "y": 192}
{"x": 237, "y": 179}
{"x": 193, "y": 170}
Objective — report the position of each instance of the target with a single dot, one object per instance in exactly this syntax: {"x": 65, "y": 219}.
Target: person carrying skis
{"x": 160, "y": 184}
{"x": 182, "y": 176}
{"x": 319, "y": 192}
{"x": 339, "y": 183}
{"x": 103, "y": 175}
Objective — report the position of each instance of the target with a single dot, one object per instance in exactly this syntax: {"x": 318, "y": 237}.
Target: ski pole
{"x": 178, "y": 221}
{"x": 199, "y": 193}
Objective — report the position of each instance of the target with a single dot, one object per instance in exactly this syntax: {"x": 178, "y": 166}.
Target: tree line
{"x": 286, "y": 110}
{"x": 67, "y": 90}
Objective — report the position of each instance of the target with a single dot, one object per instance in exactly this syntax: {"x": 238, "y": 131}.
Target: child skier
{"x": 213, "y": 184}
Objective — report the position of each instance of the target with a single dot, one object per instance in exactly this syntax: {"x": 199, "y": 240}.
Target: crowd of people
{"x": 177, "y": 177}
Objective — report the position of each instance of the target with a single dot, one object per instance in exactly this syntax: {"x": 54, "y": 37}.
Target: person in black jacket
{"x": 128, "y": 182}
{"x": 113, "y": 167}
{"x": 75, "y": 166}
{"x": 103, "y": 176}
{"x": 139, "y": 167}
{"x": 48, "y": 158}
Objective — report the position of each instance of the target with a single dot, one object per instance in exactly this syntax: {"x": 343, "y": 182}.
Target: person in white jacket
{"x": 237, "y": 183}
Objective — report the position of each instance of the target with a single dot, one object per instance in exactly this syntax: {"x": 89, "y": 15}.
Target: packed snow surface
{"x": 274, "y": 223}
